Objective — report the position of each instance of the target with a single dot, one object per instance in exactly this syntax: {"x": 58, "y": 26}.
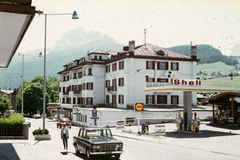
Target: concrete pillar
{"x": 50, "y": 110}
{"x": 187, "y": 110}
{"x": 25, "y": 130}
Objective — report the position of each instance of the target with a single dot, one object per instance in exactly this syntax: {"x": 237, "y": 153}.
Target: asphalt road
{"x": 212, "y": 143}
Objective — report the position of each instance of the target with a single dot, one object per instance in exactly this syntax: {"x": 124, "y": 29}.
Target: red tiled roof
{"x": 151, "y": 50}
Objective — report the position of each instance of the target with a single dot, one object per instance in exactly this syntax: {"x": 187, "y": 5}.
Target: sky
{"x": 167, "y": 22}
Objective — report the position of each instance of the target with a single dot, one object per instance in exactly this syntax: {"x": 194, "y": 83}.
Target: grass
{"x": 223, "y": 82}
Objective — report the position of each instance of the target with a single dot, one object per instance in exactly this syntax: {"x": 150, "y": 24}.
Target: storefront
{"x": 226, "y": 107}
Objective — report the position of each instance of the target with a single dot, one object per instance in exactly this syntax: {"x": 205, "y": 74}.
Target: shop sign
{"x": 160, "y": 130}
{"x": 187, "y": 82}
{"x": 139, "y": 107}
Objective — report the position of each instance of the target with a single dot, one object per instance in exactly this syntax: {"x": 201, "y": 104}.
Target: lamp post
{"x": 10, "y": 94}
{"x": 74, "y": 16}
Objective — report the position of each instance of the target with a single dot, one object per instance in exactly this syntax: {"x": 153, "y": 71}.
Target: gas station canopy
{"x": 15, "y": 18}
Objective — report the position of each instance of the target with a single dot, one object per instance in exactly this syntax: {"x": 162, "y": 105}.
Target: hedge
{"x": 14, "y": 119}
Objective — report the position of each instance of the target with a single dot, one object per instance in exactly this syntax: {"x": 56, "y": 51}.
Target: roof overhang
{"x": 188, "y": 88}
{"x": 15, "y": 18}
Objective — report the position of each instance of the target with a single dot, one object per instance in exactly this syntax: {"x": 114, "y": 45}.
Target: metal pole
{"x": 44, "y": 88}
{"x": 22, "y": 79}
{"x": 10, "y": 95}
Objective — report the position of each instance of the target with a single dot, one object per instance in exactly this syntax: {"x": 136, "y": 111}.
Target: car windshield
{"x": 99, "y": 133}
{"x": 65, "y": 119}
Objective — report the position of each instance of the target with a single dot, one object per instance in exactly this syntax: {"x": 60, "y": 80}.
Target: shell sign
{"x": 139, "y": 107}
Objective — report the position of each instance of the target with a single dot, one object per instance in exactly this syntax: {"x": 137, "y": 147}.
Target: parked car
{"x": 94, "y": 141}
{"x": 66, "y": 121}
{"x": 36, "y": 116}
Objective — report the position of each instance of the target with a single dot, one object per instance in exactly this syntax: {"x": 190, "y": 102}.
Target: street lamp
{"x": 74, "y": 16}
{"x": 21, "y": 54}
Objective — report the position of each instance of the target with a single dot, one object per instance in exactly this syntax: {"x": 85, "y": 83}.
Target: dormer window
{"x": 95, "y": 57}
{"x": 160, "y": 52}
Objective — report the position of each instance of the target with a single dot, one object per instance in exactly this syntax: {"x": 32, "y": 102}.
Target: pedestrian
{"x": 65, "y": 136}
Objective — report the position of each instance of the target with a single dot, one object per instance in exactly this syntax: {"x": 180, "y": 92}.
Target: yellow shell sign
{"x": 139, "y": 107}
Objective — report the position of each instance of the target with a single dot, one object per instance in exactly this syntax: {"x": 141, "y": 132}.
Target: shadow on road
{"x": 101, "y": 157}
{"x": 201, "y": 134}
{"x": 7, "y": 151}
{"x": 224, "y": 126}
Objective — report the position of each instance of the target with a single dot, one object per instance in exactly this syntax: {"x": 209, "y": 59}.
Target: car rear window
{"x": 66, "y": 119}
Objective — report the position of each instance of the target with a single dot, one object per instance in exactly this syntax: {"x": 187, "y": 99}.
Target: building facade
{"x": 117, "y": 79}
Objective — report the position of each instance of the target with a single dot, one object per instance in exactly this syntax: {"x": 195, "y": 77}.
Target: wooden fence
{"x": 11, "y": 130}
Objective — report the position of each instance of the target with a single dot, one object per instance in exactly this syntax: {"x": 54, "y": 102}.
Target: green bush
{"x": 40, "y": 131}
{"x": 14, "y": 119}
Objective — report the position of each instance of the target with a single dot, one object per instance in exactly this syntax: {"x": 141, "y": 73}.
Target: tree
{"x": 4, "y": 103}
{"x": 33, "y": 93}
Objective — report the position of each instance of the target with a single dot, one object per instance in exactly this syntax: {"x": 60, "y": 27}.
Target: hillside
{"x": 65, "y": 51}
{"x": 206, "y": 54}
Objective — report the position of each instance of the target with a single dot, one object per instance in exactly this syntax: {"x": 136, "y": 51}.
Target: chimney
{"x": 194, "y": 52}
{"x": 131, "y": 47}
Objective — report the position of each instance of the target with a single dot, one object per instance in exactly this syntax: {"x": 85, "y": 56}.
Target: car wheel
{"x": 76, "y": 149}
{"x": 88, "y": 154}
{"x": 117, "y": 156}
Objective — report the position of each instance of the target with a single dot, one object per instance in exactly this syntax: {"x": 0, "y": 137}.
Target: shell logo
{"x": 139, "y": 107}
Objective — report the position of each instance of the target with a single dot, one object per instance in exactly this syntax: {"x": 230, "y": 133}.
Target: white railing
{"x": 157, "y": 84}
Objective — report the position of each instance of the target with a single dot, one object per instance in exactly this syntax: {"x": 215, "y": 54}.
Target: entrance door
{"x": 114, "y": 103}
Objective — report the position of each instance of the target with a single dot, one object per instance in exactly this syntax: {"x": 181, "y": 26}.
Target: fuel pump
{"x": 195, "y": 123}
{"x": 179, "y": 121}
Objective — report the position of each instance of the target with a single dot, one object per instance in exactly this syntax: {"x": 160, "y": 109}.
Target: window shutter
{"x": 119, "y": 81}
{"x": 153, "y": 79}
{"x": 122, "y": 64}
{"x": 59, "y": 89}
{"x": 92, "y": 85}
{"x": 153, "y": 99}
{"x": 158, "y": 65}
{"x": 146, "y": 79}
{"x": 158, "y": 79}
{"x": 153, "y": 65}
{"x": 166, "y": 65}
{"x": 158, "y": 99}
{"x": 106, "y": 69}
{"x": 177, "y": 66}
{"x": 112, "y": 67}
{"x": 123, "y": 81}
{"x": 146, "y": 99}
{"x": 91, "y": 101}
{"x": 146, "y": 64}
{"x": 171, "y": 99}
{"x": 177, "y": 99}
{"x": 123, "y": 99}
{"x": 119, "y": 65}
{"x": 171, "y": 65}
{"x": 106, "y": 83}
{"x": 70, "y": 88}
{"x": 118, "y": 98}
{"x": 166, "y": 80}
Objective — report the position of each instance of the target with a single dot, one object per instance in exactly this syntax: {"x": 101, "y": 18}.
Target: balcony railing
{"x": 112, "y": 88}
{"x": 66, "y": 93}
{"x": 77, "y": 92}
{"x": 157, "y": 84}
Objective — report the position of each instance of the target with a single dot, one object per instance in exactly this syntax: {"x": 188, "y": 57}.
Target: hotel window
{"x": 150, "y": 80}
{"x": 162, "y": 80}
{"x": 107, "y": 98}
{"x": 174, "y": 66}
{"x": 63, "y": 100}
{"x": 67, "y": 78}
{"x": 162, "y": 65}
{"x": 150, "y": 65}
{"x": 64, "y": 78}
{"x": 107, "y": 83}
{"x": 79, "y": 74}
{"x": 100, "y": 57}
{"x": 95, "y": 57}
{"x": 107, "y": 68}
{"x": 121, "y": 99}
{"x": 120, "y": 81}
{"x": 89, "y": 71}
{"x": 74, "y": 100}
{"x": 161, "y": 99}
{"x": 114, "y": 66}
{"x": 83, "y": 86}
{"x": 75, "y": 76}
{"x": 114, "y": 85}
{"x": 83, "y": 101}
{"x": 174, "y": 99}
{"x": 149, "y": 99}
{"x": 121, "y": 65}
{"x": 89, "y": 101}
{"x": 89, "y": 86}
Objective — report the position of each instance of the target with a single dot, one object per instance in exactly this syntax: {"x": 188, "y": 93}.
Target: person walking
{"x": 65, "y": 136}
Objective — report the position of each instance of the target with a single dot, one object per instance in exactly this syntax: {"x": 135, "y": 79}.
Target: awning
{"x": 15, "y": 18}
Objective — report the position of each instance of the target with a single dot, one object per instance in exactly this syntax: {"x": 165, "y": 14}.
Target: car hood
{"x": 101, "y": 140}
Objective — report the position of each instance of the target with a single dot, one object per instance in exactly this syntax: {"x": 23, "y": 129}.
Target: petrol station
{"x": 186, "y": 121}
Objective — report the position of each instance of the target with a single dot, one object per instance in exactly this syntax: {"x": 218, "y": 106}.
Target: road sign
{"x": 94, "y": 113}
{"x": 139, "y": 107}
{"x": 94, "y": 106}
{"x": 94, "y": 117}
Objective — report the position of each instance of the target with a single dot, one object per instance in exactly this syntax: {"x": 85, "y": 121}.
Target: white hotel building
{"x": 116, "y": 79}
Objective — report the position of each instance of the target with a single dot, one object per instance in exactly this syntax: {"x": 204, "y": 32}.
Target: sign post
{"x": 94, "y": 114}
{"x": 138, "y": 107}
